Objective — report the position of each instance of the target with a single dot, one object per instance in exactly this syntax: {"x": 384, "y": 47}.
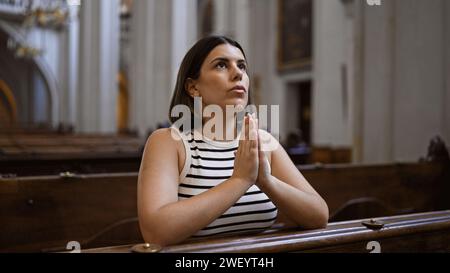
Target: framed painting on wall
{"x": 294, "y": 34}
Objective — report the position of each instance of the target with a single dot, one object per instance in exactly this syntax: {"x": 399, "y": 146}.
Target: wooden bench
{"x": 52, "y": 154}
{"x": 44, "y": 213}
{"x": 83, "y": 163}
{"x": 320, "y": 154}
{"x": 425, "y": 232}
{"x": 51, "y": 144}
{"x": 360, "y": 191}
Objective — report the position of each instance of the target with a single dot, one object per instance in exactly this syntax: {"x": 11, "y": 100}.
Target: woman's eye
{"x": 242, "y": 67}
{"x": 221, "y": 65}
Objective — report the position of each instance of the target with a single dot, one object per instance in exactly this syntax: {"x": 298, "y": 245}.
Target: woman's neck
{"x": 220, "y": 131}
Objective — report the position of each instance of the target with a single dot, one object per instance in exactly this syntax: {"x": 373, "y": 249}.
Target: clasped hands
{"x": 251, "y": 164}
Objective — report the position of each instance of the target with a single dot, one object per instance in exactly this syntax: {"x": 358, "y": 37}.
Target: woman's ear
{"x": 191, "y": 88}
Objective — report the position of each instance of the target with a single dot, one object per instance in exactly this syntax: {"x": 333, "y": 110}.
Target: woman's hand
{"x": 246, "y": 161}
{"x": 264, "y": 170}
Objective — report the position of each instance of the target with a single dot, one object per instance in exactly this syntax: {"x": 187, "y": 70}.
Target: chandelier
{"x": 22, "y": 50}
{"x": 53, "y": 14}
{"x": 47, "y": 13}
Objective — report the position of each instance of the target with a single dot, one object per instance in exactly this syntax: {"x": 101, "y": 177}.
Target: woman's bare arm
{"x": 291, "y": 192}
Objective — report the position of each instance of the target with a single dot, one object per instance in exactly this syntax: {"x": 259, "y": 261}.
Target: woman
{"x": 189, "y": 187}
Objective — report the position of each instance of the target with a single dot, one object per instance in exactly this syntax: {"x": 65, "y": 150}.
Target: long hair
{"x": 190, "y": 68}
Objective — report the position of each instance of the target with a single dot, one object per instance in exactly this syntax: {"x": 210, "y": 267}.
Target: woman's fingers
{"x": 253, "y": 133}
{"x": 246, "y": 157}
{"x": 259, "y": 137}
{"x": 243, "y": 136}
{"x": 247, "y": 127}
{"x": 249, "y": 139}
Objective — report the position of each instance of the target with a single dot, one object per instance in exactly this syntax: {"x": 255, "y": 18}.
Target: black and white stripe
{"x": 208, "y": 164}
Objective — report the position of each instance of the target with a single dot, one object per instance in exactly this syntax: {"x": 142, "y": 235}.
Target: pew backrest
{"x": 46, "y": 212}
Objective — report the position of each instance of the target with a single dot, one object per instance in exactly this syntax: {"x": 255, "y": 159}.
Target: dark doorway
{"x": 299, "y": 119}
{"x": 305, "y": 111}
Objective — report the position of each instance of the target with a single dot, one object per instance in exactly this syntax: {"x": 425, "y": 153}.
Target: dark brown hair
{"x": 190, "y": 68}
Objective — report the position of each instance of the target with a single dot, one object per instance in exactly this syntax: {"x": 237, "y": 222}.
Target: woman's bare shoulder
{"x": 264, "y": 133}
{"x": 268, "y": 141}
{"x": 164, "y": 136}
{"x": 167, "y": 140}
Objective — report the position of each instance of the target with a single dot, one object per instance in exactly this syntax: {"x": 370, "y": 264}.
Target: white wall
{"x": 378, "y": 99}
{"x": 331, "y": 114}
{"x": 420, "y": 80}
{"x": 397, "y": 93}
{"x": 404, "y": 79}
{"x": 330, "y": 103}
{"x": 274, "y": 87}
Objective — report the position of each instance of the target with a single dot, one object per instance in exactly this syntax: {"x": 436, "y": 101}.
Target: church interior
{"x": 362, "y": 88}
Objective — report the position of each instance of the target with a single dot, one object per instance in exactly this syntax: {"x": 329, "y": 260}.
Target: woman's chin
{"x": 237, "y": 103}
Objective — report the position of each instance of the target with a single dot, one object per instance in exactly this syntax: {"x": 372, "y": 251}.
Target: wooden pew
{"x": 27, "y": 143}
{"x": 13, "y": 145}
{"x": 317, "y": 154}
{"x": 52, "y": 154}
{"x": 360, "y": 191}
{"x": 425, "y": 232}
{"x": 83, "y": 163}
{"x": 44, "y": 213}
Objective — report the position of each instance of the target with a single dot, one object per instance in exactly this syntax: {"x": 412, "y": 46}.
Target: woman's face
{"x": 223, "y": 78}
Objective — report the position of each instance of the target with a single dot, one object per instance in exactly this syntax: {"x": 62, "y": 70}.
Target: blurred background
{"x": 356, "y": 83}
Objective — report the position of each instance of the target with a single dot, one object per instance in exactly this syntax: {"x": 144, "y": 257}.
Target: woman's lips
{"x": 238, "y": 91}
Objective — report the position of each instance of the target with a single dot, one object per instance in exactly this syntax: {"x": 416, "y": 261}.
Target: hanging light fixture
{"x": 48, "y": 13}
{"x": 22, "y": 50}
{"x": 39, "y": 13}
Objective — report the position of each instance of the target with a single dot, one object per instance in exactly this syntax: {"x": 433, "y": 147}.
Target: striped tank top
{"x": 209, "y": 163}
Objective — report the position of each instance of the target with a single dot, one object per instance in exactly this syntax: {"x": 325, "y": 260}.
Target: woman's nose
{"x": 237, "y": 73}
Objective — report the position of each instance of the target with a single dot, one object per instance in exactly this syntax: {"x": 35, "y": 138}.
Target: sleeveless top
{"x": 209, "y": 163}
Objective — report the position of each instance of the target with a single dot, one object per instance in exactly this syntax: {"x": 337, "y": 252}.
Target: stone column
{"x": 232, "y": 19}
{"x": 447, "y": 71}
{"x": 99, "y": 66}
{"x": 184, "y": 32}
{"x": 379, "y": 83}
{"x": 221, "y": 23}
{"x": 241, "y": 11}
{"x": 358, "y": 84}
{"x": 68, "y": 63}
{"x": 161, "y": 33}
